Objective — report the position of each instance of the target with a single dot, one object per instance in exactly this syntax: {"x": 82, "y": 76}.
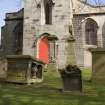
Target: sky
{"x": 8, "y": 6}
{"x": 96, "y": 2}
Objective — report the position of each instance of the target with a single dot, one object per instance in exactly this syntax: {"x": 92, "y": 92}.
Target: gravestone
{"x": 24, "y": 69}
{"x": 98, "y": 64}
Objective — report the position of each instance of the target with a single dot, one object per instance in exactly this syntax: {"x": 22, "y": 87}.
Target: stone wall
{"x": 8, "y": 32}
{"x": 34, "y": 26}
{"x": 3, "y": 68}
{"x": 64, "y": 15}
{"x": 79, "y": 39}
{"x": 79, "y": 34}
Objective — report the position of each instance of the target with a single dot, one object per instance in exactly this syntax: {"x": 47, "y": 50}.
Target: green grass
{"x": 48, "y": 92}
{"x": 87, "y": 74}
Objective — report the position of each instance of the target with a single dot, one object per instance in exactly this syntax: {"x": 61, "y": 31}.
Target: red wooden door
{"x": 43, "y": 53}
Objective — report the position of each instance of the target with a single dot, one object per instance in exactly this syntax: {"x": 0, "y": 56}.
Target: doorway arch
{"x": 46, "y": 48}
{"x": 43, "y": 49}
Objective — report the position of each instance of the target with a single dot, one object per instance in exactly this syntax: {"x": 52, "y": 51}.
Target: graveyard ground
{"x": 49, "y": 92}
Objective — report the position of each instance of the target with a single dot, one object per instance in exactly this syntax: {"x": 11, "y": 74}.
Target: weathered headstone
{"x": 71, "y": 78}
{"x": 98, "y": 64}
{"x": 20, "y": 69}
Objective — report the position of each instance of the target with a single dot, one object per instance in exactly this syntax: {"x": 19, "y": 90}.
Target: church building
{"x": 62, "y": 31}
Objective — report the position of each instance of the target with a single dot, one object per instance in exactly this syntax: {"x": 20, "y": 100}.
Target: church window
{"x": 91, "y": 32}
{"x": 48, "y": 11}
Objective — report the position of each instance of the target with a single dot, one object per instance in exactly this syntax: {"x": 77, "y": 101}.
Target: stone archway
{"x": 46, "y": 48}
{"x": 43, "y": 49}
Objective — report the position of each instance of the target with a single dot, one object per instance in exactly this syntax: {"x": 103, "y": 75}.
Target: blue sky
{"x": 96, "y": 2}
{"x": 8, "y": 6}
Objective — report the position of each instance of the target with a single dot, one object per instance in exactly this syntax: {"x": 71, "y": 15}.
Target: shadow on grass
{"x": 45, "y": 95}
{"x": 48, "y": 93}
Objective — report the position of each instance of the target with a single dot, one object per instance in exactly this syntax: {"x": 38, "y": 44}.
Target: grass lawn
{"x": 48, "y": 92}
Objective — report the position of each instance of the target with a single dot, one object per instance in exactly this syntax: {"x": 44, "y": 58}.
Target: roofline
{"x": 7, "y": 19}
{"x": 22, "y": 9}
{"x": 87, "y": 14}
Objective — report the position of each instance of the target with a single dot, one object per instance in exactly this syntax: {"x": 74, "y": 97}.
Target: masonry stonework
{"x": 12, "y": 34}
{"x": 79, "y": 34}
{"x": 34, "y": 26}
{"x": 66, "y": 16}
{"x": 73, "y": 29}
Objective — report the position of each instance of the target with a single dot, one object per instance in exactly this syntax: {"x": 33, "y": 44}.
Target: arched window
{"x": 48, "y": 11}
{"x": 91, "y": 32}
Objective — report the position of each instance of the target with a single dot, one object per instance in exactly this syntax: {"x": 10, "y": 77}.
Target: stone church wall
{"x": 79, "y": 33}
{"x": 8, "y": 32}
{"x": 34, "y": 26}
